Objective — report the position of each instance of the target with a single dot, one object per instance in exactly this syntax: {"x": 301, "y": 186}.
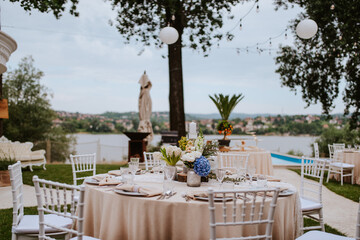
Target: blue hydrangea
{"x": 202, "y": 166}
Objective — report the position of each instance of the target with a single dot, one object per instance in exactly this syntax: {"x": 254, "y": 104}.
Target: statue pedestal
{"x": 137, "y": 144}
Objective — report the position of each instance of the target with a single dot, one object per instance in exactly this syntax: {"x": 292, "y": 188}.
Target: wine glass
{"x": 220, "y": 174}
{"x": 133, "y": 167}
{"x": 251, "y": 172}
{"x": 169, "y": 174}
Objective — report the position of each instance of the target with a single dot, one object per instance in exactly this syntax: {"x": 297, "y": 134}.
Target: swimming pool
{"x": 278, "y": 159}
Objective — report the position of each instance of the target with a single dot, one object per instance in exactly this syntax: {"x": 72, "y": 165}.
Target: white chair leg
{"x": 328, "y": 176}
{"x": 31, "y": 168}
{"x": 352, "y": 176}
{"x": 44, "y": 166}
{"x": 13, "y": 236}
{"x": 321, "y": 220}
{"x": 342, "y": 176}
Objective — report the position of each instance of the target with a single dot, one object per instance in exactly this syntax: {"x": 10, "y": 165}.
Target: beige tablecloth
{"x": 261, "y": 160}
{"x": 110, "y": 216}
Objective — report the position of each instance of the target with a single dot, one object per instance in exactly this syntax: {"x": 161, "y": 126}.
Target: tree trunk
{"x": 1, "y": 121}
{"x": 176, "y": 94}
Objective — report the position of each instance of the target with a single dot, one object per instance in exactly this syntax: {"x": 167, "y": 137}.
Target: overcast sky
{"x": 89, "y": 69}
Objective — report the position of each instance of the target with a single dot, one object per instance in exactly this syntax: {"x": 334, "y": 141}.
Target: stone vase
{"x": 193, "y": 180}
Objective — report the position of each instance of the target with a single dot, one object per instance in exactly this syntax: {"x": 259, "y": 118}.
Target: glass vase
{"x": 193, "y": 180}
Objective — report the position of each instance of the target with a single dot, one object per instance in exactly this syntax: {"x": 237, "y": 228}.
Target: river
{"x": 114, "y": 147}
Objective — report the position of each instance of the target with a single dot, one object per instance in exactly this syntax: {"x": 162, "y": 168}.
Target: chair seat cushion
{"x": 85, "y": 238}
{"x": 343, "y": 165}
{"x": 30, "y": 223}
{"x": 318, "y": 235}
{"x": 307, "y": 205}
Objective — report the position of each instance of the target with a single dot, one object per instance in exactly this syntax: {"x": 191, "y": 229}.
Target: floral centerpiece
{"x": 194, "y": 160}
{"x": 171, "y": 154}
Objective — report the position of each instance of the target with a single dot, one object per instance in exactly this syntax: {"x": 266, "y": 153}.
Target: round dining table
{"x": 109, "y": 215}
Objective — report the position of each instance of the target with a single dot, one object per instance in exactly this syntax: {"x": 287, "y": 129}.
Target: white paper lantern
{"x": 306, "y": 29}
{"x": 169, "y": 35}
{"x": 7, "y": 47}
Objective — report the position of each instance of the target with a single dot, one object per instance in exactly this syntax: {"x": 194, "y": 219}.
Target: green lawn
{"x": 347, "y": 190}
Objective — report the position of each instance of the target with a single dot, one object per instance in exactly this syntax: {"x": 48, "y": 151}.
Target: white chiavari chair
{"x": 250, "y": 213}
{"x": 337, "y": 166}
{"x": 233, "y": 161}
{"x": 58, "y": 199}
{"x": 316, "y": 235}
{"x": 83, "y": 164}
{"x": 150, "y": 161}
{"x": 27, "y": 226}
{"x": 311, "y": 191}
{"x": 339, "y": 146}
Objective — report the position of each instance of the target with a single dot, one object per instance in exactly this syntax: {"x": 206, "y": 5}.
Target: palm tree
{"x": 225, "y": 105}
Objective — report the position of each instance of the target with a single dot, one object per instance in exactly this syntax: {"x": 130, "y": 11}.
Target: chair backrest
{"x": 339, "y": 146}
{"x": 316, "y": 150}
{"x": 81, "y": 164}
{"x": 331, "y": 151}
{"x": 54, "y": 198}
{"x": 17, "y": 192}
{"x": 150, "y": 160}
{"x": 312, "y": 167}
{"x": 249, "y": 208}
{"x": 233, "y": 161}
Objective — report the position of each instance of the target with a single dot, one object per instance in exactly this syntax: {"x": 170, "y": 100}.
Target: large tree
{"x": 317, "y": 66}
{"x": 197, "y": 23}
{"x": 30, "y": 113}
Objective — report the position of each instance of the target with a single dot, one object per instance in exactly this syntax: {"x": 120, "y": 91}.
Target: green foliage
{"x": 333, "y": 135}
{"x": 308, "y": 222}
{"x": 295, "y": 153}
{"x": 45, "y": 6}
{"x": 225, "y": 104}
{"x": 30, "y": 113}
{"x": 316, "y": 66}
{"x": 171, "y": 159}
{"x": 142, "y": 20}
{"x": 62, "y": 172}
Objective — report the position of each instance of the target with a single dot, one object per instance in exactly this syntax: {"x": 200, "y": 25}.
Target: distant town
{"x": 261, "y": 124}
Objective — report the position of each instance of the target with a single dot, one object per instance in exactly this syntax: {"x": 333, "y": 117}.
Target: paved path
{"x": 339, "y": 212}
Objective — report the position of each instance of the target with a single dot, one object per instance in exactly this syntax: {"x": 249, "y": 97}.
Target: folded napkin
{"x": 99, "y": 177}
{"x": 269, "y": 178}
{"x": 150, "y": 191}
{"x": 115, "y": 172}
{"x": 109, "y": 181}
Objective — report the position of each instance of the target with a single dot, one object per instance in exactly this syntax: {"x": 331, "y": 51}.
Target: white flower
{"x": 190, "y": 157}
{"x": 157, "y": 156}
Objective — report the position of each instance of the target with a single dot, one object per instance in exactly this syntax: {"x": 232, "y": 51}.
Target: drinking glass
{"x": 135, "y": 160}
{"x": 169, "y": 172}
{"x": 220, "y": 174}
{"x": 251, "y": 172}
{"x": 133, "y": 167}
{"x": 261, "y": 181}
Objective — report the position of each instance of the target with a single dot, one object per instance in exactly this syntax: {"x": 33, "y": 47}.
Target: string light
{"x": 270, "y": 44}
{"x": 285, "y": 34}
{"x": 173, "y": 17}
{"x": 332, "y": 7}
{"x": 240, "y": 24}
{"x": 257, "y": 7}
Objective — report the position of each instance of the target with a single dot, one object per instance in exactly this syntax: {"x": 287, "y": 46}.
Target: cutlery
{"x": 170, "y": 195}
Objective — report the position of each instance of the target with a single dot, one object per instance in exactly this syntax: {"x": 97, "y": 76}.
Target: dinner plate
{"x": 286, "y": 193}
{"x": 91, "y": 181}
{"x": 136, "y": 194}
{"x": 217, "y": 199}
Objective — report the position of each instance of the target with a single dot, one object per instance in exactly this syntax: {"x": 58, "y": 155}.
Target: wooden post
{"x": 48, "y": 150}
{"x": 98, "y": 151}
